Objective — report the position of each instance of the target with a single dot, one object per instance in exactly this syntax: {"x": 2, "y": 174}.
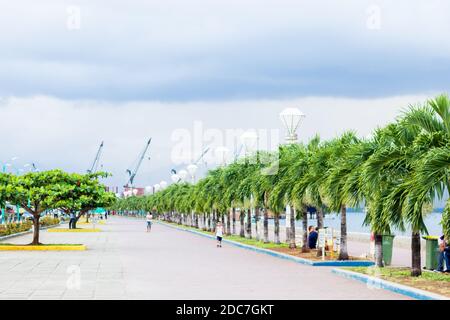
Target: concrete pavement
{"x": 125, "y": 262}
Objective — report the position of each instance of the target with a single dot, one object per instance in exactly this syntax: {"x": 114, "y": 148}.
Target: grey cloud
{"x": 223, "y": 50}
{"x": 65, "y": 134}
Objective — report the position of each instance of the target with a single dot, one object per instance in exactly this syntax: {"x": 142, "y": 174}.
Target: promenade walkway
{"x": 401, "y": 256}
{"x": 125, "y": 262}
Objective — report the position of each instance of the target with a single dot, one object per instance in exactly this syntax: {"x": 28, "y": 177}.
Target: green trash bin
{"x": 388, "y": 243}
{"x": 432, "y": 252}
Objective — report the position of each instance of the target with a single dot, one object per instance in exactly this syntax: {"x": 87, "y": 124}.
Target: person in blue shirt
{"x": 312, "y": 237}
{"x": 72, "y": 221}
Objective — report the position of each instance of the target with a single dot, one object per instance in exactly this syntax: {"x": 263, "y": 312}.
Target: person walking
{"x": 72, "y": 221}
{"x": 149, "y": 221}
{"x": 219, "y": 234}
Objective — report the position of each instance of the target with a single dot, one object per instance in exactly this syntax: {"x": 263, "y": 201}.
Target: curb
{"x": 353, "y": 263}
{"x": 388, "y": 285}
{"x": 74, "y": 230}
{"x": 43, "y": 248}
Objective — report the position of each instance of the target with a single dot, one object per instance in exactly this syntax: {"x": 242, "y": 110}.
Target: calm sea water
{"x": 355, "y": 223}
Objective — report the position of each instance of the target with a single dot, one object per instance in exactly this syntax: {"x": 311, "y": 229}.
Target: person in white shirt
{"x": 149, "y": 221}
{"x": 219, "y": 234}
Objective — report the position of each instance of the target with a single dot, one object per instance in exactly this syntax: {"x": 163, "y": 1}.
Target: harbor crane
{"x": 94, "y": 166}
{"x": 132, "y": 173}
{"x": 205, "y": 151}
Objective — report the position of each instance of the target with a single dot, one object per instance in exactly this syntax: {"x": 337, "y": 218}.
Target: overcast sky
{"x": 74, "y": 73}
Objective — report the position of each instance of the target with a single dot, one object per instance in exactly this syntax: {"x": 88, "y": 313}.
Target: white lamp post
{"x": 250, "y": 141}
{"x": 192, "y": 169}
{"x": 291, "y": 118}
{"x": 182, "y": 174}
{"x": 148, "y": 189}
{"x": 175, "y": 178}
{"x": 221, "y": 155}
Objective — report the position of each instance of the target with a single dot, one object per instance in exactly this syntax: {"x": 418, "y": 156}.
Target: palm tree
{"x": 407, "y": 179}
{"x": 337, "y": 174}
{"x": 429, "y": 175}
{"x": 311, "y": 184}
{"x": 264, "y": 176}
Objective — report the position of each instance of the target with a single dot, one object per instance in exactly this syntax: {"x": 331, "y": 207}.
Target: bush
{"x": 12, "y": 228}
{"x": 48, "y": 221}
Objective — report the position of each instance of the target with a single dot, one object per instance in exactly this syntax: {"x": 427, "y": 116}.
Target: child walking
{"x": 149, "y": 222}
{"x": 219, "y": 234}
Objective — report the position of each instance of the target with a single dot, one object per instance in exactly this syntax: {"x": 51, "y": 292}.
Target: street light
{"x": 291, "y": 118}
{"x": 175, "y": 178}
{"x": 250, "y": 140}
{"x": 192, "y": 169}
{"x": 148, "y": 189}
{"x": 182, "y": 174}
{"x": 221, "y": 154}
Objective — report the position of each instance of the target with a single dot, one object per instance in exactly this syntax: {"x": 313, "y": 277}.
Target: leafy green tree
{"x": 83, "y": 193}
{"x": 6, "y": 188}
{"x": 37, "y": 192}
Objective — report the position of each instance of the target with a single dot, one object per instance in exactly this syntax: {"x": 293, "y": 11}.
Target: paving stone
{"x": 125, "y": 262}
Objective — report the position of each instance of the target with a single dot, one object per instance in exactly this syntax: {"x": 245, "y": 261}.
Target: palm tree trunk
{"x": 266, "y": 226}
{"x": 319, "y": 217}
{"x": 242, "y": 229}
{"x": 214, "y": 221}
{"x": 305, "y": 247}
{"x": 343, "y": 253}
{"x": 249, "y": 223}
{"x": 196, "y": 220}
{"x": 288, "y": 225}
{"x": 228, "y": 223}
{"x": 379, "y": 250}
{"x": 416, "y": 262}
{"x": 320, "y": 225}
{"x": 234, "y": 220}
{"x": 256, "y": 222}
{"x": 292, "y": 229}
{"x": 204, "y": 222}
{"x": 277, "y": 228}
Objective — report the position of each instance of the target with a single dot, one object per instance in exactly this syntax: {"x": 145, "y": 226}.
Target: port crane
{"x": 205, "y": 151}
{"x": 94, "y": 166}
{"x": 132, "y": 173}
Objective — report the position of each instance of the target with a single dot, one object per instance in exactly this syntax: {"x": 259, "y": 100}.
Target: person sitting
{"x": 444, "y": 255}
{"x": 312, "y": 237}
